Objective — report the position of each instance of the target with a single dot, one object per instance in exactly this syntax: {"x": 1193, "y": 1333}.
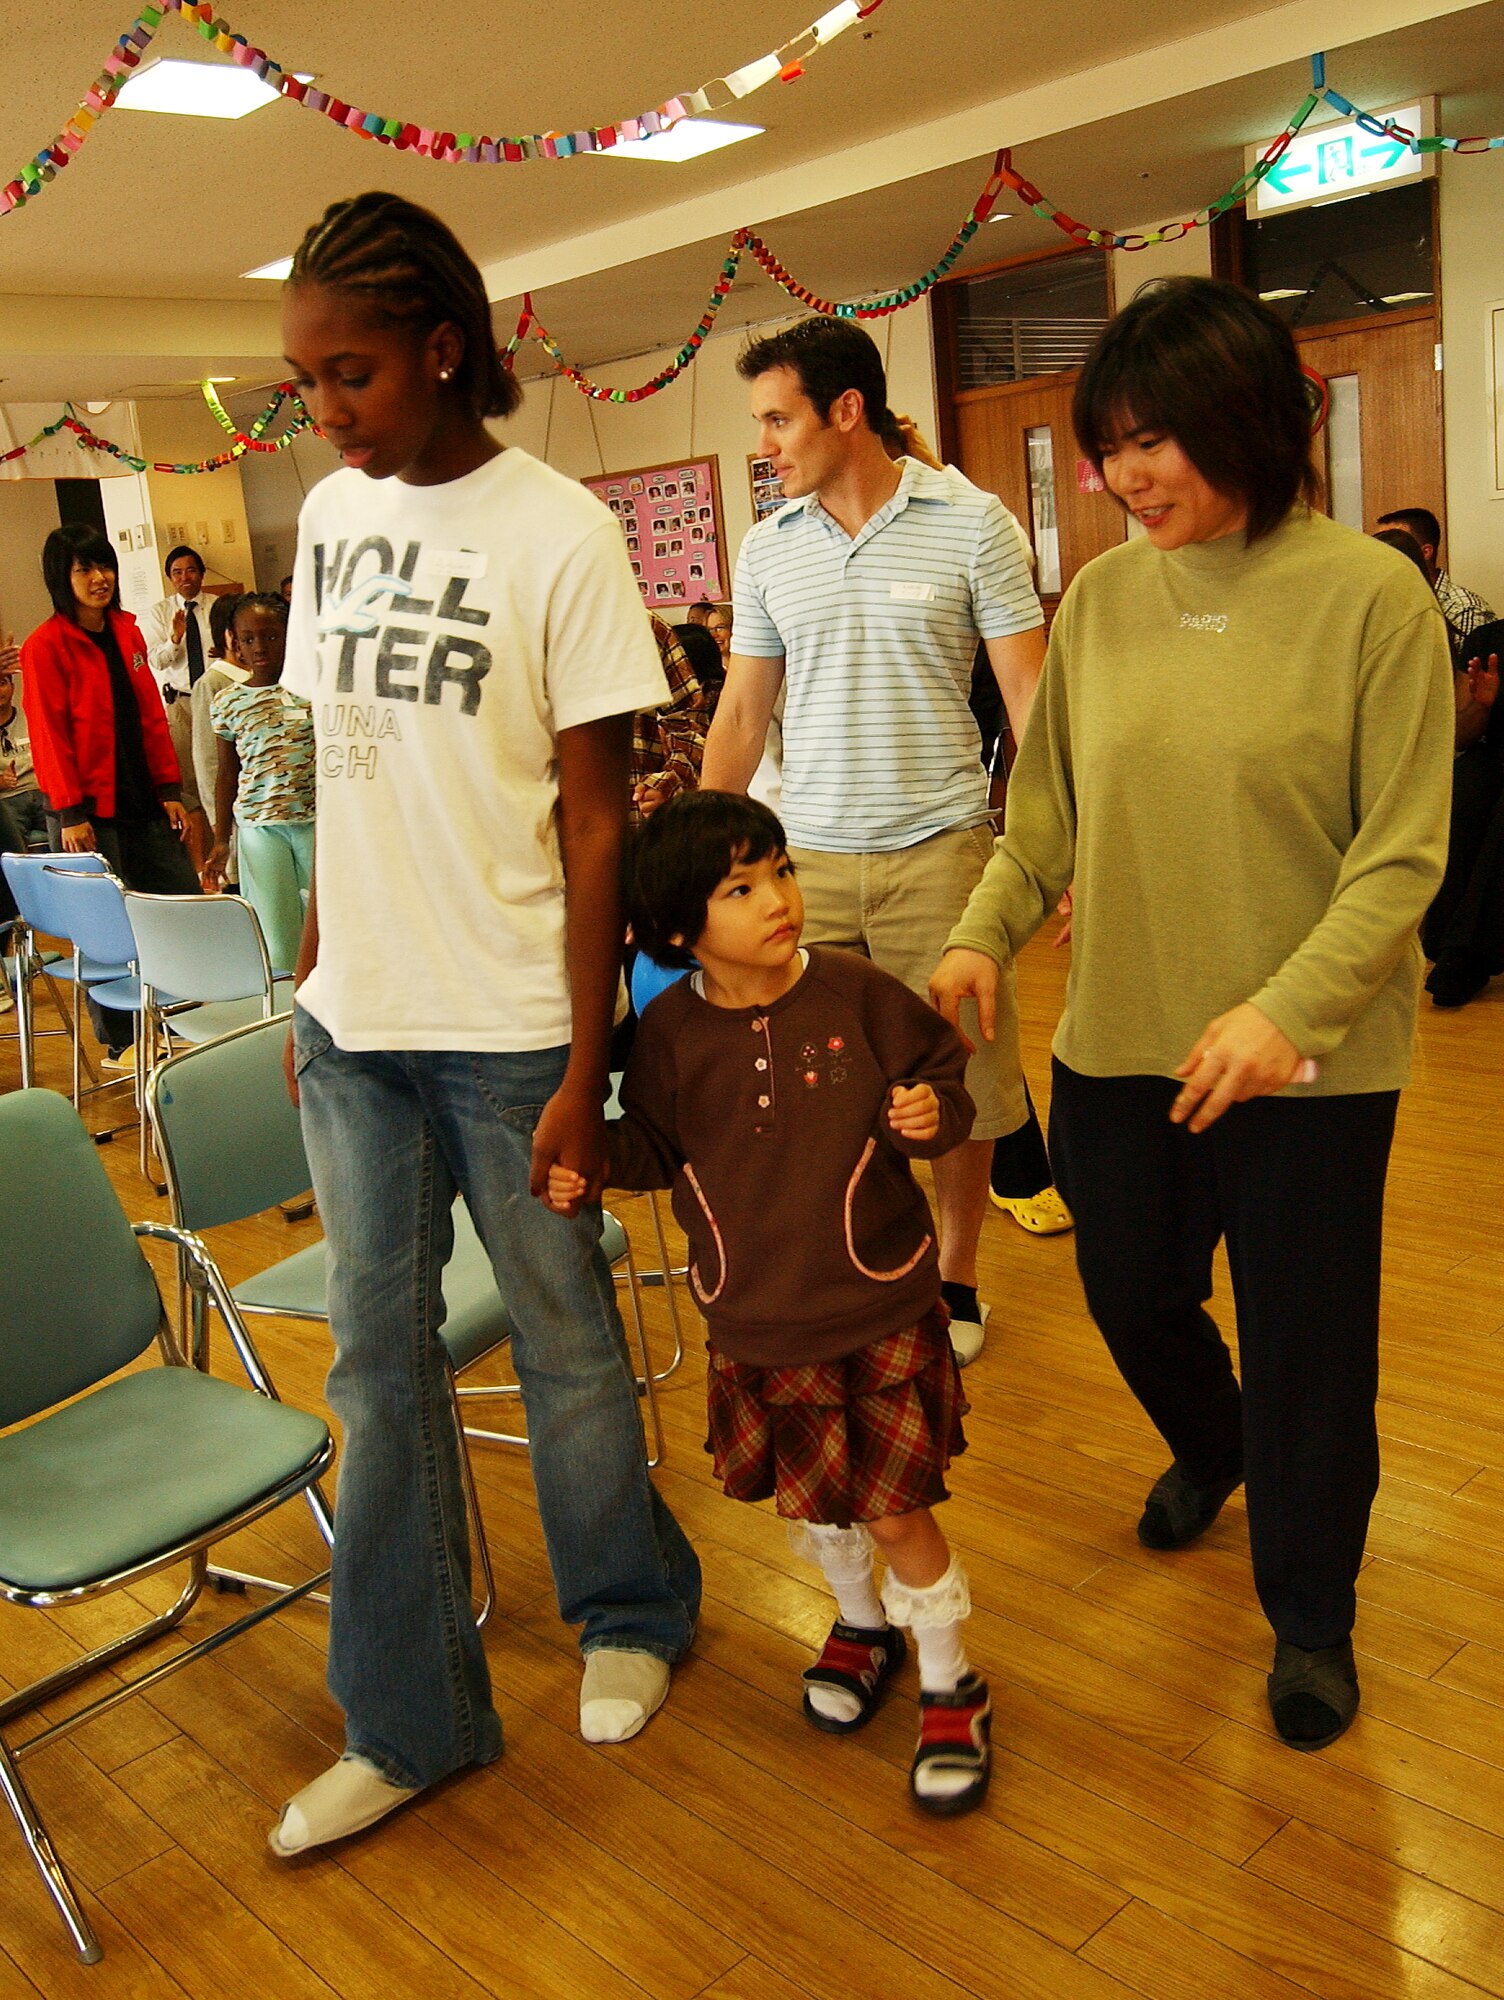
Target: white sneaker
{"x": 968, "y": 1336}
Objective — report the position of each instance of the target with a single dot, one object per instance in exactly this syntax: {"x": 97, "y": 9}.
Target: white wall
{"x": 28, "y": 514}
{"x": 274, "y": 484}
{"x": 1472, "y": 276}
{"x": 1189, "y": 257}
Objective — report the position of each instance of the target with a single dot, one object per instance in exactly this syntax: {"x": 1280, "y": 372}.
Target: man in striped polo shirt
{"x": 863, "y": 599}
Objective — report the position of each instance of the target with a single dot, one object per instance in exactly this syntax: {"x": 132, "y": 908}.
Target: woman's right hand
{"x": 79, "y": 839}
{"x": 966, "y": 975}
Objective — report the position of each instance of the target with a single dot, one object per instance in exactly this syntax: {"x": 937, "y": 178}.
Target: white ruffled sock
{"x": 620, "y": 1692}
{"x": 934, "y": 1613}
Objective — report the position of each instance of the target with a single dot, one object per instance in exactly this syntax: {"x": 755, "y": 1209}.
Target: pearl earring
{"x": 445, "y": 373}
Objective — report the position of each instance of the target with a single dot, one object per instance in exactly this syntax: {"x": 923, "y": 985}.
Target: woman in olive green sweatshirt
{"x": 1240, "y": 753}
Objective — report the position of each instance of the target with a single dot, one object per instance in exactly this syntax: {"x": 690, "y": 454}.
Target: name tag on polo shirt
{"x": 911, "y": 593}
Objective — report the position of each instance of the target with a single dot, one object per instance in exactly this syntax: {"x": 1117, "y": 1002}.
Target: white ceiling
{"x": 167, "y": 209}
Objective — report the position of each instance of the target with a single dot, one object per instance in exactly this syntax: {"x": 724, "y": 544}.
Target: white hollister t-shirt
{"x": 445, "y": 635}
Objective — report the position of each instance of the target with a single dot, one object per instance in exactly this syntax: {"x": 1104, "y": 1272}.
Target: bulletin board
{"x": 767, "y": 488}
{"x": 671, "y": 517}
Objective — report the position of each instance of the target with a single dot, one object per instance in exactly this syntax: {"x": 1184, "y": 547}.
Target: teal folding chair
{"x": 236, "y": 1085}
{"x": 208, "y": 952}
{"x": 107, "y": 1478}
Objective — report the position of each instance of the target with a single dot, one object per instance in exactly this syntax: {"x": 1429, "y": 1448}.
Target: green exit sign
{"x": 1346, "y": 157}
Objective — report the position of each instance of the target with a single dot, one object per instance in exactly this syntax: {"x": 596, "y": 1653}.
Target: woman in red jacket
{"x": 100, "y": 742}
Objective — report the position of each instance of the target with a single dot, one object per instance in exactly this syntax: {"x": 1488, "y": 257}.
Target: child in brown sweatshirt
{"x": 781, "y": 1094}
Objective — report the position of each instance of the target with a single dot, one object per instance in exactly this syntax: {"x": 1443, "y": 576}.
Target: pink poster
{"x": 671, "y": 517}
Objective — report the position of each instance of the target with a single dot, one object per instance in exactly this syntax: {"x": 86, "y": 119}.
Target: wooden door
{"x": 994, "y": 429}
{"x": 1384, "y": 370}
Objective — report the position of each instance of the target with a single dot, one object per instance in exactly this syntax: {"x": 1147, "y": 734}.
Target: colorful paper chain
{"x": 785, "y": 64}
{"x": 530, "y": 326}
{"x": 1170, "y": 232}
{"x": 243, "y": 441}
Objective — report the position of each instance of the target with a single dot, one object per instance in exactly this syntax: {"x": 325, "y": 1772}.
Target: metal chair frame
{"x": 193, "y": 1550}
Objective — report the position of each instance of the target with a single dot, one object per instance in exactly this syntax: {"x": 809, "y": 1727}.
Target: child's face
{"x": 260, "y": 642}
{"x": 753, "y": 918}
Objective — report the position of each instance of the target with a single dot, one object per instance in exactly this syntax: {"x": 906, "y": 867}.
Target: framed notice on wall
{"x": 671, "y": 517}
{"x": 767, "y": 488}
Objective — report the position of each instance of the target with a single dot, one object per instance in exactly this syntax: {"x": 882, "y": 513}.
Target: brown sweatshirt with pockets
{"x": 809, "y": 1236}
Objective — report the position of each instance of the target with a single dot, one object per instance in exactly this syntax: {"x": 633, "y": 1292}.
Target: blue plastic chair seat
{"x": 147, "y": 1462}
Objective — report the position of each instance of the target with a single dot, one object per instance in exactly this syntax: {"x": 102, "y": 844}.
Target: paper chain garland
{"x": 243, "y": 441}
{"x": 785, "y": 64}
{"x": 530, "y": 326}
{"x": 1170, "y": 232}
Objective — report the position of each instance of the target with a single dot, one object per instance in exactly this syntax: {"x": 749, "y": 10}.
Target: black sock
{"x": 962, "y": 1300}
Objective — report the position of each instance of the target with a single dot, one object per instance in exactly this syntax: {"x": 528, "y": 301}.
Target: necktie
{"x": 195, "y": 640}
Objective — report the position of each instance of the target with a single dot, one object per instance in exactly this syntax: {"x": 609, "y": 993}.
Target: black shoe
{"x": 1312, "y": 1696}
{"x": 860, "y": 1663}
{"x": 955, "y": 1735}
{"x": 1454, "y": 981}
{"x": 1176, "y": 1512}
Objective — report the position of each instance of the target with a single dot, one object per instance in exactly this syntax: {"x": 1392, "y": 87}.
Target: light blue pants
{"x": 276, "y": 869}
{"x": 390, "y": 1137}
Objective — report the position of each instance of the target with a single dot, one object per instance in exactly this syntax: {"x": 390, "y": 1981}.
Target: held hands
{"x": 569, "y": 1141}
{"x": 1239, "y": 1055}
{"x": 914, "y": 1112}
{"x": 565, "y": 1191}
{"x": 966, "y": 975}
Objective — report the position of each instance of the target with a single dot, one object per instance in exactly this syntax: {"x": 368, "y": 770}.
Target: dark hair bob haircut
{"x": 829, "y": 356}
{"x": 75, "y": 542}
{"x": 679, "y": 856}
{"x": 413, "y": 271}
{"x": 1211, "y": 366}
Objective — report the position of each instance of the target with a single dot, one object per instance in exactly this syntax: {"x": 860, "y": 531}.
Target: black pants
{"x": 1296, "y": 1185}
{"x": 146, "y": 854}
{"x": 1465, "y": 923}
{"x": 1020, "y": 1163}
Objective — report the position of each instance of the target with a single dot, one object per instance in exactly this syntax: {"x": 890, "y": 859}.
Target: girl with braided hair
{"x": 465, "y": 624}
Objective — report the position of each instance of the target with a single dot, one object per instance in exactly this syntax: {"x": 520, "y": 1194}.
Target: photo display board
{"x": 767, "y": 488}
{"x": 671, "y": 517}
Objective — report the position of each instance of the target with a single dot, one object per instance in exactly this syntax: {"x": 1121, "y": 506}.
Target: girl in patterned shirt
{"x": 265, "y": 783}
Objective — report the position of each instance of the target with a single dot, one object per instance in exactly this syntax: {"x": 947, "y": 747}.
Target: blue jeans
{"x": 391, "y": 1137}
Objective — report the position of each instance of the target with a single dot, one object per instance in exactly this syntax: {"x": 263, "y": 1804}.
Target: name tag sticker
{"x": 911, "y": 593}
{"x": 454, "y": 562}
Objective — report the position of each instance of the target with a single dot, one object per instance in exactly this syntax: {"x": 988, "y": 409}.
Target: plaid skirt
{"x": 855, "y": 1439}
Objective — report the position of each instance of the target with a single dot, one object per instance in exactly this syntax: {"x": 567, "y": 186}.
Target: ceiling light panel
{"x": 685, "y": 141}
{"x": 196, "y": 89}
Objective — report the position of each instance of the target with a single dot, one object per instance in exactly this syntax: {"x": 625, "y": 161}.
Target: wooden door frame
{"x": 943, "y": 334}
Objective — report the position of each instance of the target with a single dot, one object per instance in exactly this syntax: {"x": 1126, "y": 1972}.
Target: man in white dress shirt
{"x": 177, "y": 644}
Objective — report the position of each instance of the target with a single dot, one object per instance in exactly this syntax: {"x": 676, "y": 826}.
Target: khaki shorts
{"x": 898, "y": 909}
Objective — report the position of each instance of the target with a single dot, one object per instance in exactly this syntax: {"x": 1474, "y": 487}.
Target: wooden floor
{"x": 1145, "y": 1835}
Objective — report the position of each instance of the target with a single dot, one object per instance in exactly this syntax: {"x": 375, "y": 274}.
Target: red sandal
{"x": 955, "y": 1735}
{"x": 861, "y": 1663}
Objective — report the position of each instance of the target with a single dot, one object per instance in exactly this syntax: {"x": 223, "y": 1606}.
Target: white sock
{"x": 845, "y": 1555}
{"x": 348, "y": 1797}
{"x": 619, "y": 1693}
{"x": 935, "y": 1614}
